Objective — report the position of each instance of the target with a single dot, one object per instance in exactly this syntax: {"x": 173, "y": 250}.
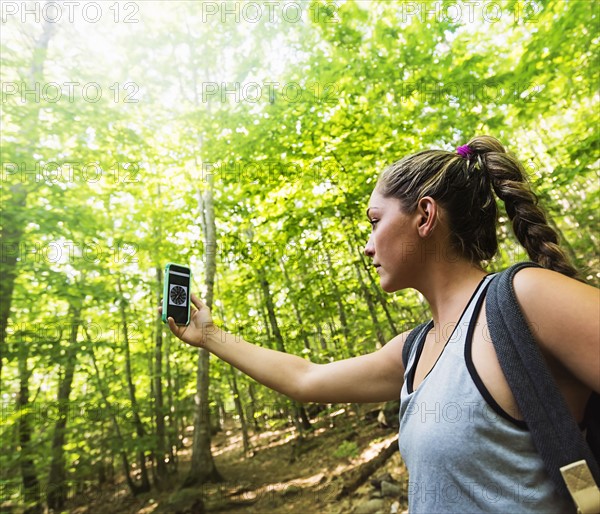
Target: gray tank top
{"x": 463, "y": 452}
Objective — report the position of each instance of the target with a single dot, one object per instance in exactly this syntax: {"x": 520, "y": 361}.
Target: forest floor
{"x": 282, "y": 476}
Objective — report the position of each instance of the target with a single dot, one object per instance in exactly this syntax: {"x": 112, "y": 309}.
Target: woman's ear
{"x": 427, "y": 216}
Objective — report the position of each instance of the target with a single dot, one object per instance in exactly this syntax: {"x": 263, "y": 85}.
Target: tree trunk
{"x": 336, "y": 291}
{"x": 57, "y": 487}
{"x": 271, "y": 316}
{"x": 31, "y": 484}
{"x": 372, "y": 312}
{"x": 304, "y": 419}
{"x": 11, "y": 233}
{"x": 137, "y": 422}
{"x": 220, "y": 413}
{"x": 203, "y": 468}
{"x": 172, "y": 432}
{"x": 251, "y": 409}
{"x": 383, "y": 300}
{"x": 360, "y": 475}
{"x": 159, "y": 411}
{"x": 180, "y": 419}
{"x": 135, "y": 489}
{"x": 297, "y": 313}
{"x": 239, "y": 409}
{"x": 300, "y": 417}
{"x": 11, "y": 214}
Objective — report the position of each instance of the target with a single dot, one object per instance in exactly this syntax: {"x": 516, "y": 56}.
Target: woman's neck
{"x": 447, "y": 287}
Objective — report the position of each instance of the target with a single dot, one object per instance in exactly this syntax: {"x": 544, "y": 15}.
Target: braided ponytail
{"x": 464, "y": 184}
{"x": 529, "y": 221}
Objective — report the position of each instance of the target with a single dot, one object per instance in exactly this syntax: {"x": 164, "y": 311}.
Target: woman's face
{"x": 393, "y": 244}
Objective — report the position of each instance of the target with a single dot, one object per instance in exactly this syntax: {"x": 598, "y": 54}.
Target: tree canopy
{"x": 129, "y": 127}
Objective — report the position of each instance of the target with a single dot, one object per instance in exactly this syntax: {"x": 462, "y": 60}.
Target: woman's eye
{"x": 373, "y": 223}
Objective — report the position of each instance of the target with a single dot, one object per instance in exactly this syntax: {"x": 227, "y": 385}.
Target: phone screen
{"x": 176, "y": 294}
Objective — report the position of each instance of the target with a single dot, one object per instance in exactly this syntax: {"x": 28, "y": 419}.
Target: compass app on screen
{"x": 177, "y": 294}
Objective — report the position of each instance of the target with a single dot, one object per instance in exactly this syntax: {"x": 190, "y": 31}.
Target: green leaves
{"x": 107, "y": 191}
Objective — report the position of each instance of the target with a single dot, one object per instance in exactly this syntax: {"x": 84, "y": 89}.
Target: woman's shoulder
{"x": 564, "y": 316}
{"x": 540, "y": 288}
{"x": 551, "y": 298}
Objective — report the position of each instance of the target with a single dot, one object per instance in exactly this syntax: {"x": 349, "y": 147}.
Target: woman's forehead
{"x": 376, "y": 198}
{"x": 378, "y": 201}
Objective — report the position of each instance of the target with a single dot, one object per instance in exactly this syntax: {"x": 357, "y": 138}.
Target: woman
{"x": 462, "y": 437}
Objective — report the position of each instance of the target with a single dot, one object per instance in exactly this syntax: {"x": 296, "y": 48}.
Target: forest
{"x": 243, "y": 139}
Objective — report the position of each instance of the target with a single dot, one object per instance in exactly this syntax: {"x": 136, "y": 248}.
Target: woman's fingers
{"x": 197, "y": 302}
{"x": 174, "y": 328}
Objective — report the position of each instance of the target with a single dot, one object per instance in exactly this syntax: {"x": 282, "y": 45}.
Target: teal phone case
{"x": 166, "y": 293}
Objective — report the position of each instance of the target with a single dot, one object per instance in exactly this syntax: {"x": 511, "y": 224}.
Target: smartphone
{"x": 176, "y": 294}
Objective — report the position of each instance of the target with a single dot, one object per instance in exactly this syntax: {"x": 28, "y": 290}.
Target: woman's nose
{"x": 369, "y": 247}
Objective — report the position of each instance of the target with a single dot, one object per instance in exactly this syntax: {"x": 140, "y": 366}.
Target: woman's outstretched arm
{"x": 373, "y": 377}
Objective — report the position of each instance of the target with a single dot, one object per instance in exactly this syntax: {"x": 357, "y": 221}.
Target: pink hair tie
{"x": 464, "y": 151}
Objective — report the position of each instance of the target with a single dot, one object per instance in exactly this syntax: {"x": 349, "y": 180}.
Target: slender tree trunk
{"x": 159, "y": 412}
{"x": 172, "y": 432}
{"x": 304, "y": 423}
{"x": 57, "y": 487}
{"x": 336, "y": 292}
{"x": 31, "y": 484}
{"x": 203, "y": 468}
{"x": 11, "y": 214}
{"x": 374, "y": 286}
{"x": 297, "y": 313}
{"x": 265, "y": 320}
{"x": 251, "y": 407}
{"x": 321, "y": 338}
{"x": 219, "y": 413}
{"x": 371, "y": 306}
{"x": 11, "y": 233}
{"x": 137, "y": 422}
{"x": 181, "y": 419}
{"x": 304, "y": 419}
{"x": 239, "y": 409}
{"x": 271, "y": 316}
{"x": 135, "y": 489}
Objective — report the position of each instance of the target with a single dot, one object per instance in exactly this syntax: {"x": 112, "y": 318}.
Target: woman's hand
{"x": 201, "y": 324}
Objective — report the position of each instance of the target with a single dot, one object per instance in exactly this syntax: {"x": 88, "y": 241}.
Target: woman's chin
{"x": 387, "y": 286}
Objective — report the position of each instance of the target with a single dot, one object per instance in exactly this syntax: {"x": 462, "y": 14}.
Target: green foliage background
{"x": 104, "y": 192}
